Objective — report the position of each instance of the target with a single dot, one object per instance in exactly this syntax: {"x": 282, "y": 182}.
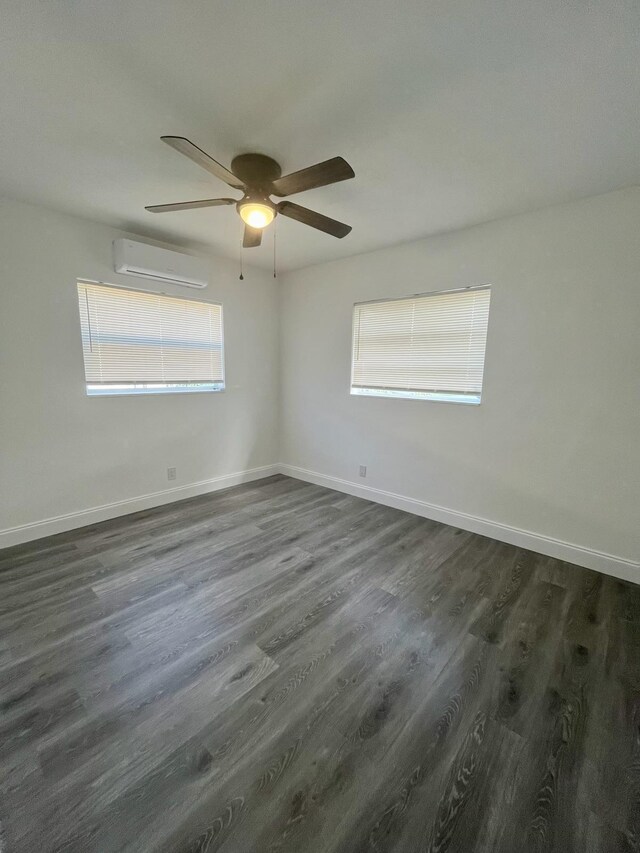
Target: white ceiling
{"x": 451, "y": 112}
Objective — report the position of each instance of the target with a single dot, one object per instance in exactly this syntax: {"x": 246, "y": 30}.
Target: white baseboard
{"x": 72, "y": 520}
{"x": 618, "y": 567}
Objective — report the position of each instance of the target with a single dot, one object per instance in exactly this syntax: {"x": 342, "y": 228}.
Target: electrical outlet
{"x": 363, "y": 470}
{"x": 171, "y": 473}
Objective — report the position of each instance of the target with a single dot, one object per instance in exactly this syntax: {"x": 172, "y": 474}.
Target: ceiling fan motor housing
{"x": 256, "y": 170}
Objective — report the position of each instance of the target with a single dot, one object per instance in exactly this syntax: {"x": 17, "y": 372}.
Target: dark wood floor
{"x": 280, "y": 667}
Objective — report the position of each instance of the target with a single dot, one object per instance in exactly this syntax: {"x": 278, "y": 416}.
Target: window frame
{"x": 161, "y": 389}
{"x": 422, "y": 396}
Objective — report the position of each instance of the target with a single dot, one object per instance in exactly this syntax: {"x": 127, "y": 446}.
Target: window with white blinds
{"x": 424, "y": 347}
{"x": 146, "y": 343}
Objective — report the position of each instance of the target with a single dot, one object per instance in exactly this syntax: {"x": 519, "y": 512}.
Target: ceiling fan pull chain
{"x": 274, "y": 250}
{"x": 241, "y": 277}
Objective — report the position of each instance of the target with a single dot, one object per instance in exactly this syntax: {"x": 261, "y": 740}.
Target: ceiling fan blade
{"x": 189, "y": 205}
{"x": 329, "y": 172}
{"x": 252, "y": 237}
{"x": 184, "y": 146}
{"x": 315, "y": 220}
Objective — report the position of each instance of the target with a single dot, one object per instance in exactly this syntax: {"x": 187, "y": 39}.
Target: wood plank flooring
{"x": 281, "y": 667}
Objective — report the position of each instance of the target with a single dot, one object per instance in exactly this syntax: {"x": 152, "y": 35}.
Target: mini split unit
{"x": 144, "y": 261}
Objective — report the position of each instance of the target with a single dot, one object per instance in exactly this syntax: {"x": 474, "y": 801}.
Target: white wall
{"x": 554, "y": 448}
{"x": 62, "y": 452}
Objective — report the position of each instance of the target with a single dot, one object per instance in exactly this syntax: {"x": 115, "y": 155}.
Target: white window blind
{"x": 426, "y": 347}
{"x": 136, "y": 342}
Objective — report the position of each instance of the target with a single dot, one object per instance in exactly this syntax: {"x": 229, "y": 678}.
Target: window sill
{"x": 104, "y": 391}
{"x": 431, "y": 396}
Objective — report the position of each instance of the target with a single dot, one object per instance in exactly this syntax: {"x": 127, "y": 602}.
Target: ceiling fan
{"x": 259, "y": 177}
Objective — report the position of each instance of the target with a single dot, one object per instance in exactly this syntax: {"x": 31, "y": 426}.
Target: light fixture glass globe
{"x": 257, "y": 215}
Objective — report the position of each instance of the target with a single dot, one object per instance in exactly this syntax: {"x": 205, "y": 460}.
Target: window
{"x": 428, "y": 347}
{"x": 148, "y": 343}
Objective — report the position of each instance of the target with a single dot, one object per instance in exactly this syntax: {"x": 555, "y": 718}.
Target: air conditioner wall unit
{"x": 144, "y": 261}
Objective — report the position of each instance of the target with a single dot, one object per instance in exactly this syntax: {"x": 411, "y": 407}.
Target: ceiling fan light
{"x": 257, "y": 215}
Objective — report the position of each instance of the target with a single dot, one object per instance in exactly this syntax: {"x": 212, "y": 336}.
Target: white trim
{"x": 70, "y": 521}
{"x": 427, "y": 293}
{"x": 618, "y": 567}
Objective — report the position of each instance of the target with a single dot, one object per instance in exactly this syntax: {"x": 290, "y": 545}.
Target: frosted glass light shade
{"x": 257, "y": 215}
